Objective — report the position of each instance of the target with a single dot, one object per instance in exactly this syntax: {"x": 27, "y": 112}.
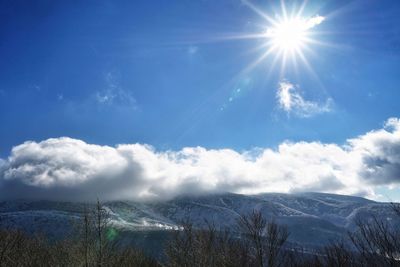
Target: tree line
{"x": 255, "y": 241}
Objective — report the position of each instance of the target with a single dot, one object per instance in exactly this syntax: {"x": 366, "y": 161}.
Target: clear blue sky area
{"x": 168, "y": 74}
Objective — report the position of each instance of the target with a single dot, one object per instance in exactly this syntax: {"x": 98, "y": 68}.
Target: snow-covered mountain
{"x": 312, "y": 218}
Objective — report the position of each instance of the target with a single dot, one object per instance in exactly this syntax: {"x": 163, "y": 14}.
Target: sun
{"x": 288, "y": 35}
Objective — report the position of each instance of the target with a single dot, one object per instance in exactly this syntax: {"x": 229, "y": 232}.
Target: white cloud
{"x": 380, "y": 154}
{"x": 314, "y": 21}
{"x": 70, "y": 169}
{"x": 291, "y": 101}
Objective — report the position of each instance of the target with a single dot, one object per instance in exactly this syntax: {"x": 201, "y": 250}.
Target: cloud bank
{"x": 69, "y": 169}
{"x": 292, "y": 102}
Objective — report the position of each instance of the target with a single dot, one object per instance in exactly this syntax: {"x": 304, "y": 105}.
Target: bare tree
{"x": 131, "y": 257}
{"x": 102, "y": 221}
{"x": 377, "y": 242}
{"x": 206, "y": 247}
{"x": 275, "y": 238}
{"x": 87, "y": 234}
{"x": 267, "y": 238}
{"x": 180, "y": 250}
{"x": 253, "y": 227}
{"x": 9, "y": 242}
{"x": 338, "y": 254}
{"x": 88, "y": 245}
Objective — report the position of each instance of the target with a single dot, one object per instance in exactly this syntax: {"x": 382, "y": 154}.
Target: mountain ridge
{"x": 312, "y": 218}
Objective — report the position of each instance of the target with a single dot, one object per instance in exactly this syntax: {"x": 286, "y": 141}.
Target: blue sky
{"x": 171, "y": 74}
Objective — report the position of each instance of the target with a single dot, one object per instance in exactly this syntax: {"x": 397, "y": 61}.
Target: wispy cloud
{"x": 70, "y": 169}
{"x": 313, "y": 21}
{"x": 292, "y": 102}
{"x": 114, "y": 94}
{"x": 192, "y": 49}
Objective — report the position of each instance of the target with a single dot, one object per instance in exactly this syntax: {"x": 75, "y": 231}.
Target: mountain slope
{"x": 312, "y": 218}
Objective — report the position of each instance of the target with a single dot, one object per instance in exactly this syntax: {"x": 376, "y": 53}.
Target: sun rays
{"x": 288, "y": 37}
